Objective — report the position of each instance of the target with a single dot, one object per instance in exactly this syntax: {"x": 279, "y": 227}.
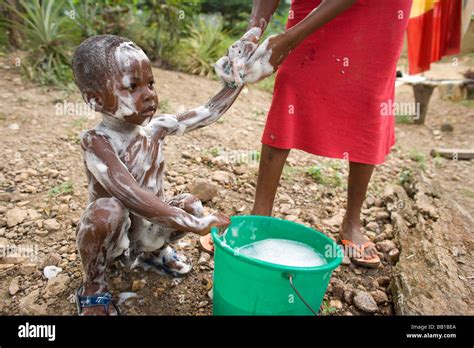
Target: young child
{"x": 124, "y": 163}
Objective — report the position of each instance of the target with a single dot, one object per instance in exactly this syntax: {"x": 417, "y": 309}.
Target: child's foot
{"x": 363, "y": 251}
{"x": 104, "y": 307}
{"x": 166, "y": 261}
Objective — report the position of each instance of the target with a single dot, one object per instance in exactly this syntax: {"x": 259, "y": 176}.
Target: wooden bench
{"x": 423, "y": 89}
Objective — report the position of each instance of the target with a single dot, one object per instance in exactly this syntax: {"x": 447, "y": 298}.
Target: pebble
{"x": 51, "y": 271}
{"x": 16, "y": 216}
{"x": 51, "y": 225}
{"x": 394, "y": 256}
{"x": 56, "y": 285}
{"x": 14, "y": 287}
{"x": 138, "y": 284}
{"x": 204, "y": 189}
{"x": 380, "y": 297}
{"x": 365, "y": 302}
{"x": 385, "y": 246}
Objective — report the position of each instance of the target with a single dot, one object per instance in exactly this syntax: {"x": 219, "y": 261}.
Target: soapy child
{"x": 127, "y": 211}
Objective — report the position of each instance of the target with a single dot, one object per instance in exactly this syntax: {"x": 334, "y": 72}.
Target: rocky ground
{"x": 419, "y": 210}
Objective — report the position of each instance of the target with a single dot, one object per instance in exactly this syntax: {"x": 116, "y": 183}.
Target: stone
{"x": 388, "y": 194}
{"x": 27, "y": 305}
{"x": 221, "y": 177}
{"x": 33, "y": 215}
{"x": 380, "y": 297}
{"x": 338, "y": 288}
{"x": 335, "y": 304}
{"x": 204, "y": 189}
{"x": 16, "y": 216}
{"x": 13, "y": 126}
{"x": 365, "y": 302}
{"x": 385, "y": 246}
{"x": 393, "y": 256}
{"x": 28, "y": 268}
{"x": 57, "y": 285}
{"x": 51, "y": 259}
{"x": 51, "y": 271}
{"x": 372, "y": 226}
{"x": 14, "y": 287}
{"x": 138, "y": 284}
{"x": 348, "y": 296}
{"x": 447, "y": 127}
{"x": 383, "y": 281}
{"x": 51, "y": 225}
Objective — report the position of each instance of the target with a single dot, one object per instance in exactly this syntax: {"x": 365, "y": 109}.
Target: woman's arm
{"x": 262, "y": 12}
{"x": 325, "y": 12}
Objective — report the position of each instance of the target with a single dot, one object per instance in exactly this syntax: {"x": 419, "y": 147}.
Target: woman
{"x": 329, "y": 95}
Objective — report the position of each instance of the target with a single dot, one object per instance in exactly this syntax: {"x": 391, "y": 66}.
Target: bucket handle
{"x": 290, "y": 278}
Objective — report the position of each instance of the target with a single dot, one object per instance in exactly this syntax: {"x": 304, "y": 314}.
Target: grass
{"x": 267, "y": 84}
{"x": 403, "y": 119}
{"x": 419, "y": 158}
{"x": 289, "y": 172}
{"x": 326, "y": 309}
{"x": 327, "y": 175}
{"x": 467, "y": 193}
{"x": 165, "y": 107}
{"x": 63, "y": 188}
{"x": 405, "y": 176}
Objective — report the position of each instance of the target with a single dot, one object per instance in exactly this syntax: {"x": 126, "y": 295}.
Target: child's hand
{"x": 219, "y": 221}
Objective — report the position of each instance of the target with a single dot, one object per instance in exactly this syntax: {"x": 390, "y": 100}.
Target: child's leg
{"x": 153, "y": 243}
{"x": 101, "y": 236}
{"x": 272, "y": 161}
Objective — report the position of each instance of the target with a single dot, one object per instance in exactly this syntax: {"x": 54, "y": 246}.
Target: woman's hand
{"x": 231, "y": 67}
{"x": 267, "y": 58}
{"x": 247, "y": 63}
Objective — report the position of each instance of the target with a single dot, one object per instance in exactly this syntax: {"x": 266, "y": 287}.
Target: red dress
{"x": 333, "y": 91}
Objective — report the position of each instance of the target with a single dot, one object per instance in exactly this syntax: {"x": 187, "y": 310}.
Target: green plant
{"x": 43, "y": 27}
{"x": 65, "y": 187}
{"x": 315, "y": 172}
{"x": 405, "y": 176}
{"x": 326, "y": 309}
{"x": 403, "y": 119}
{"x": 206, "y": 43}
{"x": 164, "y": 106}
{"x": 157, "y": 26}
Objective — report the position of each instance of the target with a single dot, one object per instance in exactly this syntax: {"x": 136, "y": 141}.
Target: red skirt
{"x": 334, "y": 93}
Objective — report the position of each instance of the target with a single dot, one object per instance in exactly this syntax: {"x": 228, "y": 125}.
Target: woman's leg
{"x": 272, "y": 161}
{"x": 359, "y": 177}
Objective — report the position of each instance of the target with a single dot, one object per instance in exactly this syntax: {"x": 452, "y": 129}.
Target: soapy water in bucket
{"x": 283, "y": 252}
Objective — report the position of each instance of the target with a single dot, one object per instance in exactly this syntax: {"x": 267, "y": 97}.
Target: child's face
{"x": 131, "y": 95}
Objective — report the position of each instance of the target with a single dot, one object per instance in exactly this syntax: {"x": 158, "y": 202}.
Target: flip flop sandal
{"x": 103, "y": 299}
{"x": 206, "y": 244}
{"x": 373, "y": 262}
{"x": 166, "y": 255}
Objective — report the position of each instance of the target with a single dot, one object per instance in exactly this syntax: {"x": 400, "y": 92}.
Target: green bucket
{"x": 247, "y": 286}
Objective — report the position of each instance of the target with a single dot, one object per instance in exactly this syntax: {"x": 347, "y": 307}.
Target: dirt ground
{"x": 43, "y": 192}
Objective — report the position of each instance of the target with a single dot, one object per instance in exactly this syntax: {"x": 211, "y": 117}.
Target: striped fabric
{"x": 434, "y": 31}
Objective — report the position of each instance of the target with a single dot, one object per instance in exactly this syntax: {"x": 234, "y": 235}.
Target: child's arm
{"x": 210, "y": 112}
{"x": 111, "y": 173}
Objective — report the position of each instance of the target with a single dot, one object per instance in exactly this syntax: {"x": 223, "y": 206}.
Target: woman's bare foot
{"x": 350, "y": 230}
